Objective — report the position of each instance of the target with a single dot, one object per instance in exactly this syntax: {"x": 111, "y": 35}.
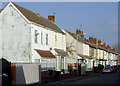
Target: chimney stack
{"x": 38, "y": 14}
{"x": 77, "y": 32}
{"x": 51, "y": 17}
{"x": 80, "y": 33}
{"x": 95, "y": 41}
{"x": 107, "y": 46}
{"x": 104, "y": 45}
{"x": 112, "y": 49}
{"x": 87, "y": 40}
{"x": 99, "y": 42}
{"x": 91, "y": 39}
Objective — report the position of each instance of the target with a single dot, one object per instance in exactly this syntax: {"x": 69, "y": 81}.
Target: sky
{"x": 96, "y": 19}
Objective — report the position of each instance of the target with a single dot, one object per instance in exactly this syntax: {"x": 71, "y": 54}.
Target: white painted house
{"x": 74, "y": 46}
{"x": 26, "y": 37}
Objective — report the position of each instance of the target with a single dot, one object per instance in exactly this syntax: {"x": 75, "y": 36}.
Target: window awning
{"x": 43, "y": 53}
{"x": 61, "y": 52}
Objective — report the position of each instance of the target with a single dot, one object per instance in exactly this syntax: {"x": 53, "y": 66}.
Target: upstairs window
{"x": 46, "y": 39}
{"x": 41, "y": 37}
{"x": 55, "y": 37}
{"x": 36, "y": 36}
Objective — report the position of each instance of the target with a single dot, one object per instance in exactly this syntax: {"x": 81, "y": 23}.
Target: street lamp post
{"x": 77, "y": 50}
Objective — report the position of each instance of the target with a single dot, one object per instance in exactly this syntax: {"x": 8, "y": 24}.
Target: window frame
{"x": 42, "y": 38}
{"x": 47, "y": 42}
{"x": 36, "y": 37}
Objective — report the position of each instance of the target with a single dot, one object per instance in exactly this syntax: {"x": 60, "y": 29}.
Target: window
{"x": 55, "y": 37}
{"x": 46, "y": 39}
{"x": 41, "y": 37}
{"x": 36, "y": 35}
{"x": 62, "y": 41}
{"x": 37, "y": 60}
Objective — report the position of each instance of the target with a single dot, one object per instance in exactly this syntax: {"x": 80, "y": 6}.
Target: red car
{"x": 118, "y": 67}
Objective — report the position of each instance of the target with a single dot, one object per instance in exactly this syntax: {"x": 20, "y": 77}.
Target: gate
{"x": 6, "y": 72}
{"x": 79, "y": 69}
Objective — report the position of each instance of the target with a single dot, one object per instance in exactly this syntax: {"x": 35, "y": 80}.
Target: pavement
{"x": 90, "y": 78}
{"x": 87, "y": 75}
{"x": 109, "y": 78}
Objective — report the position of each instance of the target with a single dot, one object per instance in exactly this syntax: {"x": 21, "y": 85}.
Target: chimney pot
{"x": 77, "y": 31}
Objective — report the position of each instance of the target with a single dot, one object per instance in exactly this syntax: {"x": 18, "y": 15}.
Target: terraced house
{"x": 78, "y": 50}
{"x": 72, "y": 44}
{"x": 26, "y": 37}
{"x": 90, "y": 51}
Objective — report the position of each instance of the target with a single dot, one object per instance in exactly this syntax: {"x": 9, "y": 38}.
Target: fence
{"x": 25, "y": 73}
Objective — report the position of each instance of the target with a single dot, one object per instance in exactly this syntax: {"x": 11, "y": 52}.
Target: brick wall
{"x": 69, "y": 75}
{"x": 46, "y": 77}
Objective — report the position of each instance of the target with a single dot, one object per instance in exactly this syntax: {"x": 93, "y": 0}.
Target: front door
{"x": 79, "y": 69}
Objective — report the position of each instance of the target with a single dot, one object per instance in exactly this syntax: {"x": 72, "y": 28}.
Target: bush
{"x": 100, "y": 66}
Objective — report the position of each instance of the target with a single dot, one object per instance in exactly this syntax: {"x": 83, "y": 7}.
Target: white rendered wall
{"x": 16, "y": 36}
{"x": 0, "y": 36}
{"x": 38, "y": 45}
{"x": 86, "y": 49}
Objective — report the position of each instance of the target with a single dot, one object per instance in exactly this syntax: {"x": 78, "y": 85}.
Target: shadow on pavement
{"x": 119, "y": 76}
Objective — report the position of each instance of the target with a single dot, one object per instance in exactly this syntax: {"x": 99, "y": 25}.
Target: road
{"x": 112, "y": 78}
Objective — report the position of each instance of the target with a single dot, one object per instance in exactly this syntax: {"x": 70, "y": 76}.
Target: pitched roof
{"x": 75, "y": 36}
{"x": 80, "y": 39}
{"x": 45, "y": 54}
{"x": 33, "y": 17}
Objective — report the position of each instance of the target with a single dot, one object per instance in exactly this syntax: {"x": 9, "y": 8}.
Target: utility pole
{"x": 77, "y": 52}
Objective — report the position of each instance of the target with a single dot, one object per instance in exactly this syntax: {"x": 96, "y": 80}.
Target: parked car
{"x": 118, "y": 67}
{"x": 109, "y": 69}
{"x": 114, "y": 68}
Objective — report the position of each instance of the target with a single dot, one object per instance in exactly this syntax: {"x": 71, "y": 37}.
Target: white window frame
{"x": 36, "y": 36}
{"x": 47, "y": 39}
{"x": 42, "y": 38}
